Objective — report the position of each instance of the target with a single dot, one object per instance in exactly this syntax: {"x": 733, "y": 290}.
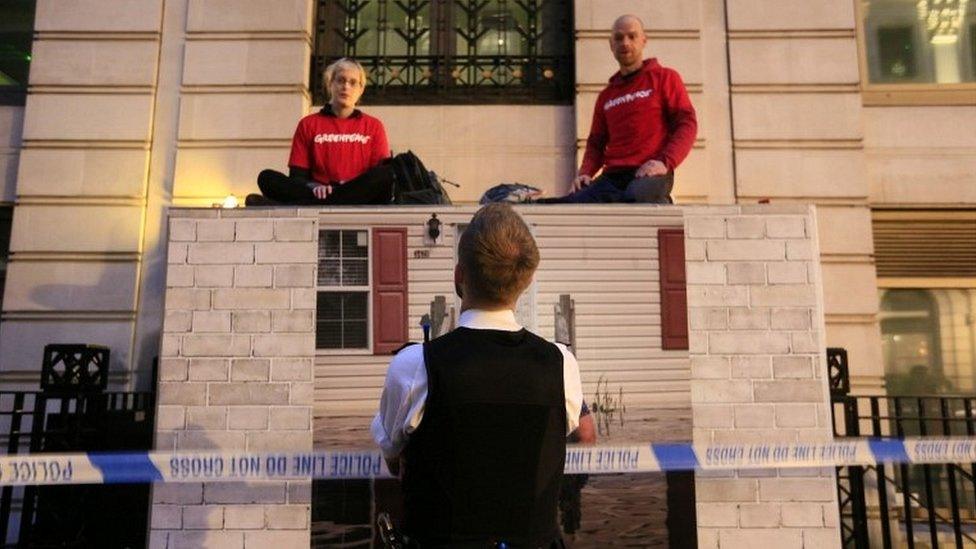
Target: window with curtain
{"x": 450, "y": 51}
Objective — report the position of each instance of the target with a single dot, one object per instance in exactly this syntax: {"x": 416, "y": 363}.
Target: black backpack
{"x": 413, "y": 183}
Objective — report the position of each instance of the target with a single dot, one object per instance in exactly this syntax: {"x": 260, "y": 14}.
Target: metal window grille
{"x": 450, "y": 51}
{"x": 342, "y": 303}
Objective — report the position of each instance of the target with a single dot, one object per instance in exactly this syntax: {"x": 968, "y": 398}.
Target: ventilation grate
{"x": 925, "y": 243}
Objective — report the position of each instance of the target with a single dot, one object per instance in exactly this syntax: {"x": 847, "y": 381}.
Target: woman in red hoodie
{"x": 643, "y": 126}
{"x": 337, "y": 153}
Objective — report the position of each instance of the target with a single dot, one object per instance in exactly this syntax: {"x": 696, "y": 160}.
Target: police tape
{"x": 204, "y": 466}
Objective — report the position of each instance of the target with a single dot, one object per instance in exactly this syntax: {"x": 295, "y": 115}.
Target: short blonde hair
{"x": 498, "y": 255}
{"x": 345, "y": 63}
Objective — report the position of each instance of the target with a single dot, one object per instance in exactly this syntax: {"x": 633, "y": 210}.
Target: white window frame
{"x": 368, "y": 350}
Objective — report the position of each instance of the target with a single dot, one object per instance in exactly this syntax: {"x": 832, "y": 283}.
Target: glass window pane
{"x": 354, "y": 335}
{"x": 329, "y": 243}
{"x": 329, "y": 272}
{"x": 919, "y": 41}
{"x": 354, "y": 272}
{"x": 405, "y": 34}
{"x": 354, "y": 305}
{"x": 929, "y": 340}
{"x": 355, "y": 243}
{"x": 343, "y": 258}
{"x": 328, "y": 335}
{"x": 329, "y": 306}
{"x": 342, "y": 321}
{"x": 897, "y": 50}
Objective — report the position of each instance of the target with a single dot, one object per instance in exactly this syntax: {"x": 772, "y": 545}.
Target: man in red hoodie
{"x": 643, "y": 127}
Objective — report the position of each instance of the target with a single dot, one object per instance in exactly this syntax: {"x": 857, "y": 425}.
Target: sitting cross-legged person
{"x": 337, "y": 154}
{"x": 643, "y": 126}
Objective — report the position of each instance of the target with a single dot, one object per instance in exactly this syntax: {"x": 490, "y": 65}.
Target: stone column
{"x": 799, "y": 137}
{"x": 244, "y": 87}
{"x": 81, "y": 183}
{"x": 236, "y": 372}
{"x": 755, "y": 311}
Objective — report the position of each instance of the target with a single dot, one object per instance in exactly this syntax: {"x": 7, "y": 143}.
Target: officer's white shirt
{"x": 405, "y": 390}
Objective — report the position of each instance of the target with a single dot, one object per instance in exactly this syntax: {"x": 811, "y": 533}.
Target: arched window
{"x": 910, "y": 342}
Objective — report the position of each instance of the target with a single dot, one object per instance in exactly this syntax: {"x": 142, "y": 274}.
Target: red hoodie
{"x": 642, "y": 116}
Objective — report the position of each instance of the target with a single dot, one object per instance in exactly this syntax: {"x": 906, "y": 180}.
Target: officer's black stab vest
{"x": 485, "y": 464}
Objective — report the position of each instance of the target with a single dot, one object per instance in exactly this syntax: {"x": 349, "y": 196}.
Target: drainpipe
{"x": 728, "y": 74}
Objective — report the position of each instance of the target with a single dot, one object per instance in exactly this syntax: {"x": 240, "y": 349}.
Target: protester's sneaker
{"x": 259, "y": 200}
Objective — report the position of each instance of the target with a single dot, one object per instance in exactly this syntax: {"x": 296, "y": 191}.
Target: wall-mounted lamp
{"x": 433, "y": 228}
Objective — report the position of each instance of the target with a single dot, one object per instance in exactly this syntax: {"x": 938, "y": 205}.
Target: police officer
{"x": 476, "y": 420}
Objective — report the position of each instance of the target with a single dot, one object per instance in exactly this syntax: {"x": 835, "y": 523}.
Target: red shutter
{"x": 389, "y": 289}
{"x": 674, "y": 298}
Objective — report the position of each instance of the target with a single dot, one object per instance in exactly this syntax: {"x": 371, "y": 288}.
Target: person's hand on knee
{"x": 322, "y": 191}
{"x": 581, "y": 181}
{"x": 651, "y": 168}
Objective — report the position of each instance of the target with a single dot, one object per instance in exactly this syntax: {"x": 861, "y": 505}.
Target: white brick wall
{"x": 238, "y": 352}
{"x": 756, "y": 331}
{"x": 235, "y": 371}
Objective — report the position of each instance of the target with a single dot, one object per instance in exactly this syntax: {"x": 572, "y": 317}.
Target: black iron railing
{"x": 74, "y": 414}
{"x": 450, "y": 51}
{"x": 905, "y": 505}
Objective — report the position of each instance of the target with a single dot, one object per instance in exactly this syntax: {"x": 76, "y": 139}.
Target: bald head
{"x": 627, "y": 42}
{"x": 628, "y": 19}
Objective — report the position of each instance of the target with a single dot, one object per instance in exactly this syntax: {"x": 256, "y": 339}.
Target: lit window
{"x": 928, "y": 338}
{"x": 920, "y": 41}
{"x": 450, "y": 51}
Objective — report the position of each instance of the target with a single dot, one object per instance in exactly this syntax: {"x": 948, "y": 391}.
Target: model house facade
{"x": 113, "y": 112}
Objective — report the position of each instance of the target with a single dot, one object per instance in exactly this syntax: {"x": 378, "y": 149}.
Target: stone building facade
{"x": 183, "y": 105}
{"x": 135, "y": 106}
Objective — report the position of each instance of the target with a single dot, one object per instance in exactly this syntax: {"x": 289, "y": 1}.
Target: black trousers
{"x": 621, "y": 186}
{"x": 374, "y": 186}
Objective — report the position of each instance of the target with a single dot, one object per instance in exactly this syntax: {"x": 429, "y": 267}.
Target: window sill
{"x": 915, "y": 95}
{"x": 343, "y": 352}
{"x": 925, "y": 282}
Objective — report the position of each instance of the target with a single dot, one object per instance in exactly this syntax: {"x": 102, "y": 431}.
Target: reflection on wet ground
{"x": 614, "y": 510}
